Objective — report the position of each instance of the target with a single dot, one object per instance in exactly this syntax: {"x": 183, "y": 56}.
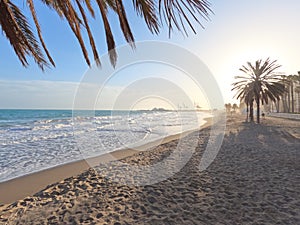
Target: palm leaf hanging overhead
{"x": 156, "y": 13}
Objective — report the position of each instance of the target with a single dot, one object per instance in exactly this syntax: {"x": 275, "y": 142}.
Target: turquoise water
{"x": 10, "y": 117}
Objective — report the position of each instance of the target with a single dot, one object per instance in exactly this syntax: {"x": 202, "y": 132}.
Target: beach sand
{"x": 255, "y": 179}
{"x": 21, "y": 187}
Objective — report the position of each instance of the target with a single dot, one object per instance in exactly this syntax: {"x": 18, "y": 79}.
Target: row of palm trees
{"x": 229, "y": 108}
{"x": 259, "y": 85}
{"x": 290, "y": 100}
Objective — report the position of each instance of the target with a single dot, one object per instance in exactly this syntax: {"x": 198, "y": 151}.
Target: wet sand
{"x": 21, "y": 187}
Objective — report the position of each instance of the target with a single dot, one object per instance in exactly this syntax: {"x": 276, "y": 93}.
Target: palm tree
{"x": 259, "y": 84}
{"x": 295, "y": 79}
{"x": 235, "y": 107}
{"x": 297, "y": 90}
{"x": 290, "y": 86}
{"x": 249, "y": 99}
{"x": 245, "y": 94}
{"x": 174, "y": 13}
{"x": 228, "y": 107}
{"x": 288, "y": 98}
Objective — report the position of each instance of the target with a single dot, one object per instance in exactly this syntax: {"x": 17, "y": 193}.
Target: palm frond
{"x": 91, "y": 38}
{"x": 124, "y": 22}
{"x": 38, "y": 28}
{"x": 16, "y": 28}
{"x": 74, "y": 23}
{"x": 177, "y": 14}
{"x": 173, "y": 11}
{"x": 53, "y": 4}
{"x": 109, "y": 36}
{"x": 261, "y": 83}
{"x": 147, "y": 10}
{"x": 89, "y": 7}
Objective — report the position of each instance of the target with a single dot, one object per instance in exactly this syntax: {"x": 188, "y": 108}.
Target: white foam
{"x": 48, "y": 143}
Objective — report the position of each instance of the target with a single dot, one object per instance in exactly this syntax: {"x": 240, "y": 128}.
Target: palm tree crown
{"x": 259, "y": 84}
{"x": 174, "y": 13}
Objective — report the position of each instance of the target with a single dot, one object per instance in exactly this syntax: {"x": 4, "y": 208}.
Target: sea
{"x": 35, "y": 140}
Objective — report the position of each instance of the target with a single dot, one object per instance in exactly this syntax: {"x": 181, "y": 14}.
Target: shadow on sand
{"x": 255, "y": 179}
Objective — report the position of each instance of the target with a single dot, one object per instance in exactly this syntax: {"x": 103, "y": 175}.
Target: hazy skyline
{"x": 239, "y": 31}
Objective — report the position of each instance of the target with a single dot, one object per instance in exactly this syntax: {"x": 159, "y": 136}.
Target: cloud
{"x": 146, "y": 93}
{"x": 37, "y": 94}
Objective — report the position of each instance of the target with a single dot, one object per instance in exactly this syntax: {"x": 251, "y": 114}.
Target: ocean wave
{"x": 33, "y": 144}
{"x": 20, "y": 128}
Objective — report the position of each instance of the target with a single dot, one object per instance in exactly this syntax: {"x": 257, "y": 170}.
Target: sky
{"x": 237, "y": 32}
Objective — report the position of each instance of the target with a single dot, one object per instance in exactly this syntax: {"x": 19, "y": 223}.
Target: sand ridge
{"x": 255, "y": 179}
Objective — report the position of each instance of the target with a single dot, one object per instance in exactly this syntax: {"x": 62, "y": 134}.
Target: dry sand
{"x": 255, "y": 179}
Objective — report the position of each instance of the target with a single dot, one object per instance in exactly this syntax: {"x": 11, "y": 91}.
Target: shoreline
{"x": 20, "y": 187}
{"x": 253, "y": 179}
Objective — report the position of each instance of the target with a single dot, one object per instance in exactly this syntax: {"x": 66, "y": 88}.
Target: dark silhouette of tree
{"x": 288, "y": 98}
{"x": 259, "y": 84}
{"x": 228, "y": 107}
{"x": 245, "y": 94}
{"x": 235, "y": 107}
{"x": 297, "y": 90}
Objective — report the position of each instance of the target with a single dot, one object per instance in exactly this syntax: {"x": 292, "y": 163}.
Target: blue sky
{"x": 239, "y": 31}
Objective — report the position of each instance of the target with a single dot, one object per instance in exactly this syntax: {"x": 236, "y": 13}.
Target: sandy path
{"x": 255, "y": 179}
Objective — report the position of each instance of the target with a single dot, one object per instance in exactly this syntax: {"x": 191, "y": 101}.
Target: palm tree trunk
{"x": 247, "y": 111}
{"x": 285, "y": 103}
{"x": 251, "y": 111}
{"x": 289, "y": 100}
{"x": 257, "y": 109}
{"x": 277, "y": 105}
{"x": 292, "y": 96}
{"x": 298, "y": 102}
